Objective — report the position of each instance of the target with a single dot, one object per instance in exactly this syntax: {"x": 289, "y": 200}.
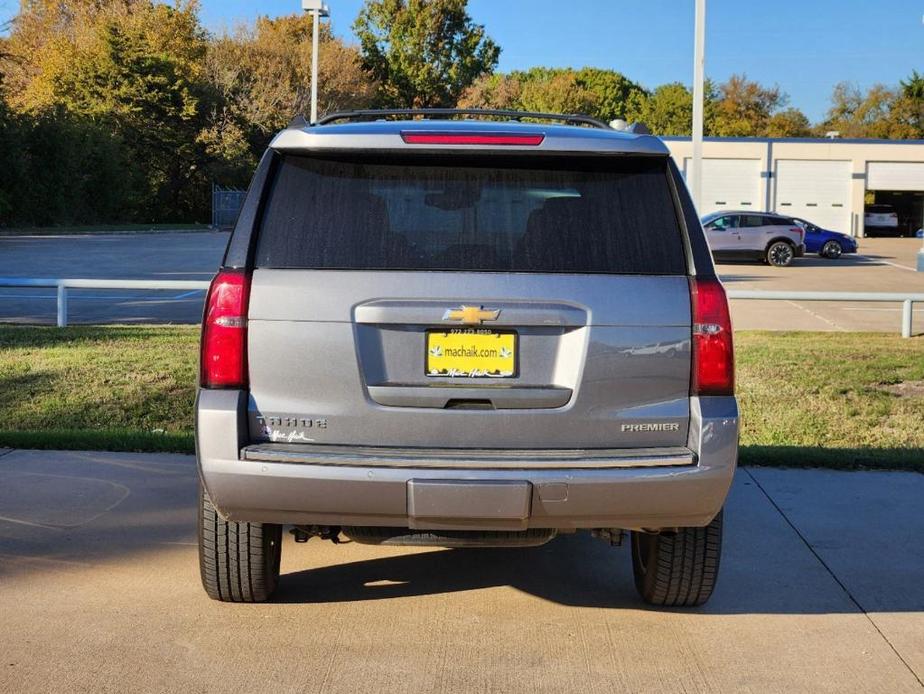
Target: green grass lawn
{"x": 823, "y": 399}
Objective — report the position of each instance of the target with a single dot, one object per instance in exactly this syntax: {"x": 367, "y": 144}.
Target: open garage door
{"x": 729, "y": 184}
{"x": 895, "y": 175}
{"x": 899, "y": 184}
{"x": 816, "y": 190}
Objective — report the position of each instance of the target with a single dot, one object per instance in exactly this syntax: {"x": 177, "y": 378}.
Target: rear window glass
{"x": 602, "y": 217}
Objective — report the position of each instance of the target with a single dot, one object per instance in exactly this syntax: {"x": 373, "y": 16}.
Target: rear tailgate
{"x": 491, "y": 305}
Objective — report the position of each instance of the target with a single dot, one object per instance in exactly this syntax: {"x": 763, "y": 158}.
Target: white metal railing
{"x": 906, "y": 300}
{"x": 62, "y": 285}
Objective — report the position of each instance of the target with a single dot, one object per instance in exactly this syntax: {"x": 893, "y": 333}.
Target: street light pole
{"x": 315, "y": 21}
{"x": 317, "y": 9}
{"x": 699, "y": 49}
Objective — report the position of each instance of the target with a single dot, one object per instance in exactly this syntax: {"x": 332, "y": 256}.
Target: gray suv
{"x": 461, "y": 329}
{"x": 774, "y": 239}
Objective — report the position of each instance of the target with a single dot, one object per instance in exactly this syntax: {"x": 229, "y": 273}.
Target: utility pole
{"x": 317, "y": 9}
{"x": 921, "y": 252}
{"x": 699, "y": 69}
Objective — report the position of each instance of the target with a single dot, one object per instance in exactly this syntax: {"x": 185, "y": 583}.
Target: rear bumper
{"x": 466, "y": 490}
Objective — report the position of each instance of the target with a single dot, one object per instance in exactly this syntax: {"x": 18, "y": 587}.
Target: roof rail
{"x": 381, "y": 114}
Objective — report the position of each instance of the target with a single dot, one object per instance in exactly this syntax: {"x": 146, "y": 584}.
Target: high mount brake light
{"x": 224, "y": 331}
{"x": 471, "y": 138}
{"x": 713, "y": 368}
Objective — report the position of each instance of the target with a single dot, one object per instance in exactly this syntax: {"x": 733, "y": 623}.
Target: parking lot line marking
{"x": 18, "y": 521}
{"x": 917, "y": 310}
{"x": 187, "y": 294}
{"x": 821, "y": 318}
{"x": 903, "y": 267}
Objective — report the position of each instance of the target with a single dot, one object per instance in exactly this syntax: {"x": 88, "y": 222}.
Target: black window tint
{"x": 754, "y": 220}
{"x": 616, "y": 216}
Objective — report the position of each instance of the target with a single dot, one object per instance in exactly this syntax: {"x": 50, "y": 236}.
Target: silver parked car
{"x": 772, "y": 238}
{"x": 466, "y": 333}
{"x": 881, "y": 220}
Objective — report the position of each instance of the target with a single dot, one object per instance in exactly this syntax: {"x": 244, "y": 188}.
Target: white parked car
{"x": 880, "y": 219}
{"x": 764, "y": 236}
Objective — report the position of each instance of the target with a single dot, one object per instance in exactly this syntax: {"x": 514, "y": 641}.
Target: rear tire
{"x": 780, "y": 253}
{"x": 238, "y": 562}
{"x": 677, "y": 569}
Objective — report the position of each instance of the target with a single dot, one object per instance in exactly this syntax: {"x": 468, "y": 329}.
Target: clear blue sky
{"x": 804, "y": 46}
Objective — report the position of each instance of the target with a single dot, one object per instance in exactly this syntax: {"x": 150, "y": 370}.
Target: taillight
{"x": 224, "y": 331}
{"x": 472, "y": 138}
{"x": 800, "y": 231}
{"x": 713, "y": 369}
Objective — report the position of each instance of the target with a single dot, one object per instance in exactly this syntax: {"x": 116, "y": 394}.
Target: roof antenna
{"x": 625, "y": 127}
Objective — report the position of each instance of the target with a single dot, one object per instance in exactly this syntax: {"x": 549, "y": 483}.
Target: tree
{"x": 558, "y": 92}
{"x": 9, "y": 156}
{"x": 913, "y": 96}
{"x": 423, "y": 53}
{"x": 736, "y": 108}
{"x": 789, "y": 123}
{"x": 668, "y": 110}
{"x": 260, "y": 79}
{"x": 497, "y": 91}
{"x": 130, "y": 69}
{"x": 612, "y": 90}
{"x": 880, "y": 112}
{"x": 914, "y": 87}
{"x": 744, "y": 108}
{"x": 263, "y": 73}
{"x": 604, "y": 94}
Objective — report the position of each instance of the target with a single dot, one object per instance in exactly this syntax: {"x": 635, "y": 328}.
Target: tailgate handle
{"x": 469, "y": 404}
{"x": 471, "y": 398}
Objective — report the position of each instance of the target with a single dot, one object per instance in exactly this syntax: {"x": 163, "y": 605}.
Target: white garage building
{"x": 827, "y": 181}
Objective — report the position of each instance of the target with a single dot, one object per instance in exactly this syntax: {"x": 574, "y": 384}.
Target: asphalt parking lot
{"x": 160, "y": 256}
{"x": 822, "y": 590}
{"x": 884, "y": 265}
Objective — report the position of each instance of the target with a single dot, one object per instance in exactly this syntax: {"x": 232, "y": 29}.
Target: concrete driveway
{"x": 822, "y": 590}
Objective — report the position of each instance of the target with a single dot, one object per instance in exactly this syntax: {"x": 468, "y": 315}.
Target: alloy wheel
{"x": 832, "y": 249}
{"x": 780, "y": 254}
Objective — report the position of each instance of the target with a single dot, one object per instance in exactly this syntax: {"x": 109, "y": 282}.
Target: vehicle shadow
{"x": 846, "y": 260}
{"x": 727, "y": 277}
{"x": 579, "y": 571}
{"x": 574, "y": 570}
{"x": 807, "y": 261}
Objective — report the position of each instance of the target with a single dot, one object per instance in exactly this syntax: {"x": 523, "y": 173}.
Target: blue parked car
{"x": 829, "y": 244}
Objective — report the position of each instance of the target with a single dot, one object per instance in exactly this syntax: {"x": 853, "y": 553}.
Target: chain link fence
{"x": 226, "y": 204}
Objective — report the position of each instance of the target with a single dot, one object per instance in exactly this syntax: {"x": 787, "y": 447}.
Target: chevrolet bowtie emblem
{"x": 471, "y": 315}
